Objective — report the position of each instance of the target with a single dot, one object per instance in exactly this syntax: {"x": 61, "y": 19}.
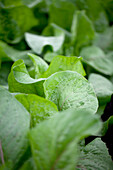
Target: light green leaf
{"x": 37, "y": 42}
{"x": 15, "y": 21}
{"x": 68, "y": 89}
{"x": 20, "y": 81}
{"x": 39, "y": 64}
{"x": 82, "y": 30}
{"x": 104, "y": 40}
{"x": 62, "y": 63}
{"x": 14, "y": 125}
{"x": 49, "y": 56}
{"x": 54, "y": 142}
{"x": 95, "y": 156}
{"x": 102, "y": 86}
{"x": 38, "y": 107}
{"x": 96, "y": 58}
{"x": 8, "y": 53}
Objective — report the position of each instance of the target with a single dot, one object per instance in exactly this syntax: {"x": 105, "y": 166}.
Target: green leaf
{"x": 4, "y": 72}
{"x": 54, "y": 140}
{"x": 8, "y": 53}
{"x": 96, "y": 58}
{"x": 82, "y": 31}
{"x": 14, "y": 125}
{"x": 20, "y": 81}
{"x": 29, "y": 3}
{"x": 61, "y": 13}
{"x": 69, "y": 89}
{"x": 102, "y": 86}
{"x": 62, "y": 63}
{"x": 37, "y": 42}
{"x": 15, "y": 21}
{"x": 95, "y": 12}
{"x": 49, "y": 56}
{"x": 95, "y": 156}
{"x": 38, "y": 107}
{"x": 39, "y": 64}
{"x": 104, "y": 40}
{"x": 28, "y": 165}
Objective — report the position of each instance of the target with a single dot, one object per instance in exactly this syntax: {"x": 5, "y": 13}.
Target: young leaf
{"x": 102, "y": 86}
{"x": 62, "y": 63}
{"x": 14, "y": 125}
{"x": 40, "y": 65}
{"x": 69, "y": 89}
{"x": 20, "y": 81}
{"x": 38, "y": 107}
{"x": 82, "y": 31}
{"x": 95, "y": 156}
{"x": 37, "y": 42}
{"x": 54, "y": 142}
{"x": 96, "y": 58}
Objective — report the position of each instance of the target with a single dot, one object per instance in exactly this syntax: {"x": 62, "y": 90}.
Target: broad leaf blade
{"x": 96, "y": 58}
{"x": 53, "y": 141}
{"x": 69, "y": 89}
{"x": 14, "y": 125}
{"x": 95, "y": 156}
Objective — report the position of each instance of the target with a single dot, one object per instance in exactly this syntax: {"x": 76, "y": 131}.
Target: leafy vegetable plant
{"x": 56, "y": 85}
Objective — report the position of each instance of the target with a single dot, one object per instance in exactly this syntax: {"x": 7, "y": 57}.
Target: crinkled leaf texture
{"x": 69, "y": 89}
{"x": 20, "y": 81}
{"x": 37, "y": 42}
{"x": 14, "y": 126}
{"x": 95, "y": 156}
{"x": 38, "y": 107}
{"x": 54, "y": 141}
{"x": 102, "y": 86}
{"x": 62, "y": 63}
{"x": 96, "y": 58}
